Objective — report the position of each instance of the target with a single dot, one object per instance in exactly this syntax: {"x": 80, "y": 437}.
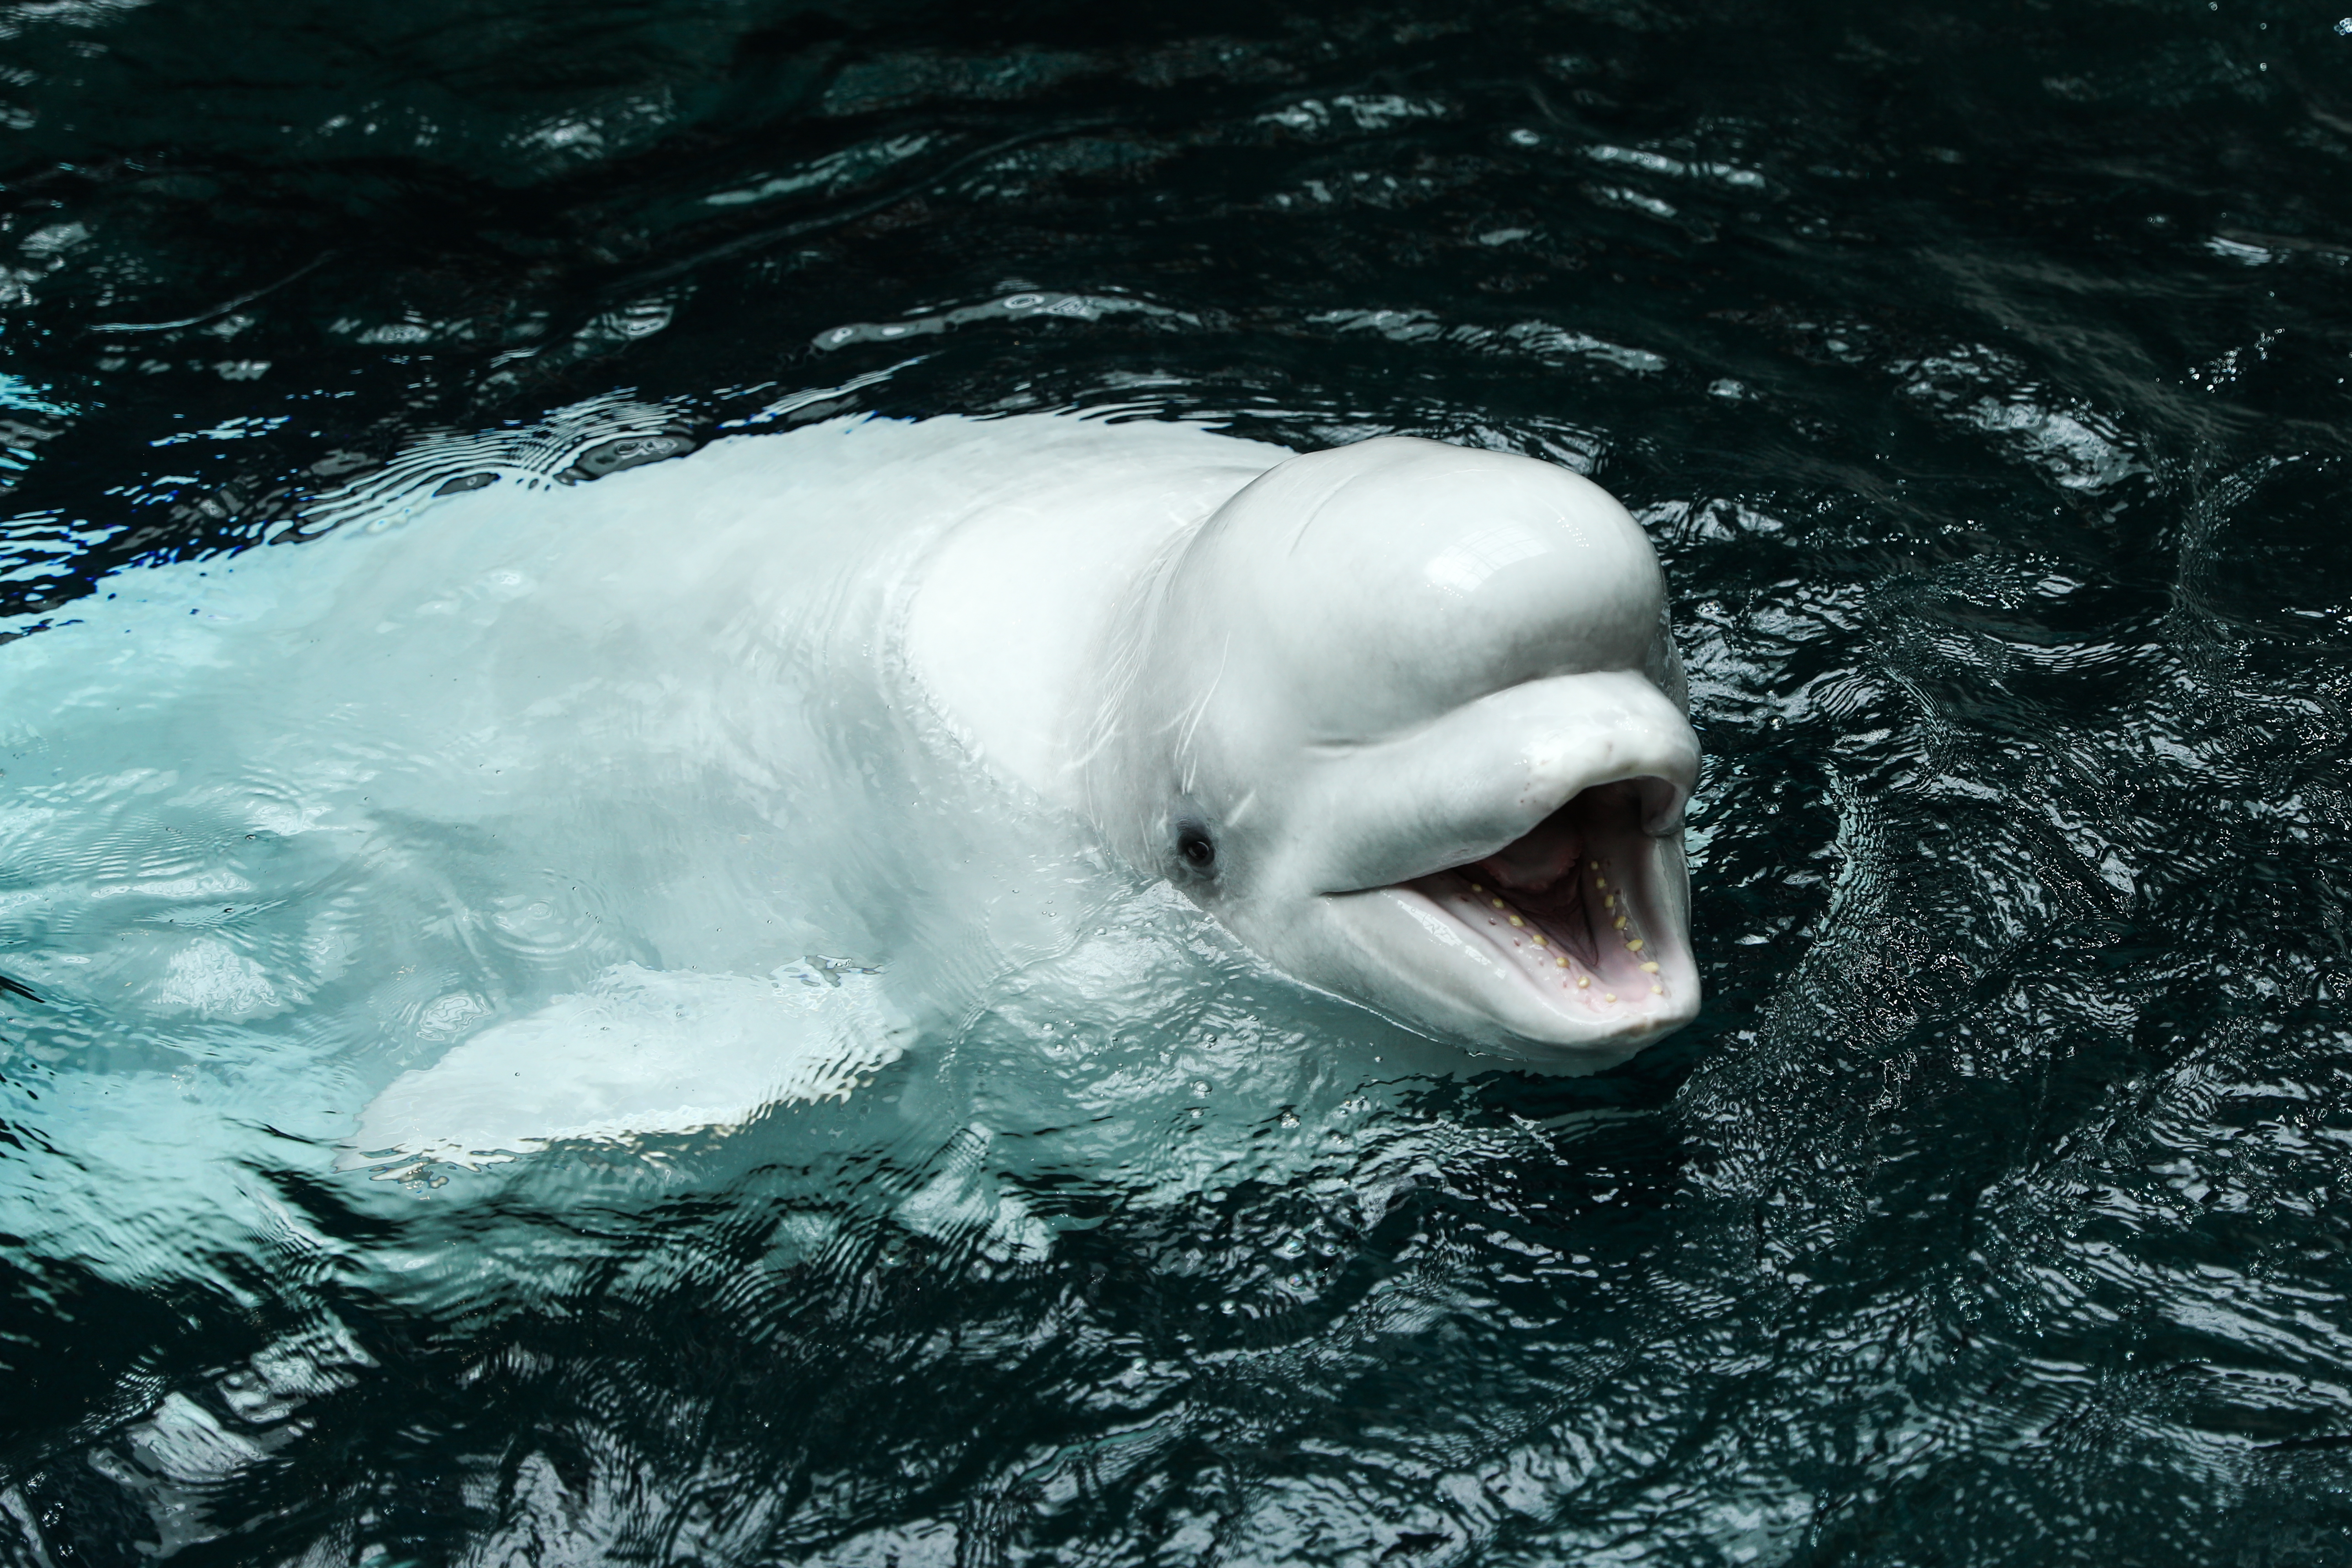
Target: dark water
{"x": 1980, "y": 373}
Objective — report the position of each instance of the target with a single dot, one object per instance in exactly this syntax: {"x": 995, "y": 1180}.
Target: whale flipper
{"x": 963, "y": 1201}
{"x": 639, "y": 1051}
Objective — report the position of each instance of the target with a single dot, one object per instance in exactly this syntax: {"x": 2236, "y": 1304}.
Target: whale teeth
{"x": 1524, "y": 925}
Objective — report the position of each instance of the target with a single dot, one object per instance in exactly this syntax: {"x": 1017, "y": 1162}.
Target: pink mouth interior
{"x": 1571, "y": 906}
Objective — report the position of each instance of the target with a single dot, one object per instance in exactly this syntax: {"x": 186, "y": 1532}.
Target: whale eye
{"x": 1194, "y": 845}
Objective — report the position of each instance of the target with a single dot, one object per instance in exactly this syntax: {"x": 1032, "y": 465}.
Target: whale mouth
{"x": 1575, "y": 909}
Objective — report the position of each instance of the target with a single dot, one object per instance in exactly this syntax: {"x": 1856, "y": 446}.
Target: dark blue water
{"x": 1979, "y": 371}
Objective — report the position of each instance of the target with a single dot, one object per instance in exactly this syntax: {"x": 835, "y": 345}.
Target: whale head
{"x": 1404, "y": 717}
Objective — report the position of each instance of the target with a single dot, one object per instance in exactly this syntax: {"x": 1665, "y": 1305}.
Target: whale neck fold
{"x": 1022, "y": 631}
{"x": 1119, "y": 733}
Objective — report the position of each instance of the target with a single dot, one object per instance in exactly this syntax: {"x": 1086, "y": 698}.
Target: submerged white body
{"x": 857, "y": 677}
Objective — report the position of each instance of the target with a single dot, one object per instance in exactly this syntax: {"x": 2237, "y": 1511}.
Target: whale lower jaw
{"x": 1568, "y": 946}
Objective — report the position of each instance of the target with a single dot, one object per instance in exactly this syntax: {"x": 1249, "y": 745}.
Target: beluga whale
{"x": 589, "y": 811}
{"x": 1403, "y": 716}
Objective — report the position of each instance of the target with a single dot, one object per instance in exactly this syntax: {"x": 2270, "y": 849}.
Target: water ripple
{"x": 1980, "y": 379}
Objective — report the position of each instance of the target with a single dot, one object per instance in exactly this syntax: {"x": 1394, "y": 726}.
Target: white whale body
{"x": 1402, "y": 718}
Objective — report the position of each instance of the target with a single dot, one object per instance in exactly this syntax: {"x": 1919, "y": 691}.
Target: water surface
{"x": 1979, "y": 372}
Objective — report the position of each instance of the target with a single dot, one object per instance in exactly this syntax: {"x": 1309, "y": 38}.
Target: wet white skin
{"x": 582, "y": 764}
{"x": 1402, "y": 717}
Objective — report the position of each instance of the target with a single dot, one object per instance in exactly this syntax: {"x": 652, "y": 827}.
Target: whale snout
{"x": 1515, "y": 880}
{"x": 1577, "y": 916}
{"x": 1548, "y": 854}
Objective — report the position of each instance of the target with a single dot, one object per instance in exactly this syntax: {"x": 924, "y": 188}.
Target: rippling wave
{"x": 1979, "y": 372}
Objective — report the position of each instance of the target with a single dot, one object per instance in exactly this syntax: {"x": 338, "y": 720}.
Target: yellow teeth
{"x": 1537, "y": 939}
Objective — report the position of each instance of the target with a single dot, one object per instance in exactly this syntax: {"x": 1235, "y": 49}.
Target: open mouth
{"x": 1574, "y": 907}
